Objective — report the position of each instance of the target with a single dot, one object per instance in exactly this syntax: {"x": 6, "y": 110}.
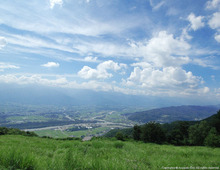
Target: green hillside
{"x": 173, "y": 113}
{"x": 21, "y": 152}
{"x": 197, "y": 133}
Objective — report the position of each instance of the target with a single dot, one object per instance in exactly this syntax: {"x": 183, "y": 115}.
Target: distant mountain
{"x": 42, "y": 95}
{"x": 174, "y": 113}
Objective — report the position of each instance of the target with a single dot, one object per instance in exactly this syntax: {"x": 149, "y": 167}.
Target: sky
{"x": 138, "y": 47}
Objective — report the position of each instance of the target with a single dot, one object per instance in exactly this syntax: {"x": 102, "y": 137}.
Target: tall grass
{"x": 20, "y": 152}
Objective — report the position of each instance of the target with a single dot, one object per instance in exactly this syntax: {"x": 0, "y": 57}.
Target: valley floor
{"x": 20, "y": 152}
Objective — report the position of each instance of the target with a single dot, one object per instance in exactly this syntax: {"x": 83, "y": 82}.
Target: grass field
{"x": 20, "y": 152}
{"x": 64, "y": 134}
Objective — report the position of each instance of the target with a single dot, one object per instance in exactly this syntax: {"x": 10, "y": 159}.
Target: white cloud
{"x": 214, "y": 22}
{"x": 156, "y": 5}
{"x": 196, "y": 22}
{"x": 161, "y": 50}
{"x": 4, "y": 66}
{"x": 57, "y": 81}
{"x": 141, "y": 64}
{"x": 51, "y": 64}
{"x": 169, "y": 77}
{"x": 205, "y": 90}
{"x": 172, "y": 81}
{"x": 2, "y": 42}
{"x": 217, "y": 38}
{"x": 164, "y": 50}
{"x": 103, "y": 48}
{"x": 174, "y": 88}
{"x": 91, "y": 59}
{"x": 55, "y": 2}
{"x": 213, "y": 4}
{"x": 185, "y": 34}
{"x": 101, "y": 71}
{"x": 73, "y": 19}
{"x": 205, "y": 62}
{"x": 33, "y": 79}
{"x": 35, "y": 42}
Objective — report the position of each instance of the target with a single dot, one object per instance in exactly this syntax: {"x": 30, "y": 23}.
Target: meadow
{"x": 22, "y": 152}
{"x": 65, "y": 134}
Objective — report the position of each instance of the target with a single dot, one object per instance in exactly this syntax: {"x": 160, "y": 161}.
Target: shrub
{"x": 118, "y": 145}
{"x": 119, "y": 136}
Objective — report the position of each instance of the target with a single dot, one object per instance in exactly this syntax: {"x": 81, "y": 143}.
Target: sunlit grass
{"x": 64, "y": 134}
{"x": 20, "y": 152}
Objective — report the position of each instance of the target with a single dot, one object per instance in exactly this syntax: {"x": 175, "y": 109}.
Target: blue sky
{"x": 141, "y": 47}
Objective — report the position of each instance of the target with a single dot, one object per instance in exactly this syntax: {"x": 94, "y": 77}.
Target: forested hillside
{"x": 174, "y": 113}
{"x": 197, "y": 133}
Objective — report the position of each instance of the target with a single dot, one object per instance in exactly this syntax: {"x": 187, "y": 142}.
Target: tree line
{"x": 13, "y": 131}
{"x": 203, "y": 133}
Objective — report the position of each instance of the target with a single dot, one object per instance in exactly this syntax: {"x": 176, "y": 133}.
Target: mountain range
{"x": 174, "y": 113}
{"x": 43, "y": 95}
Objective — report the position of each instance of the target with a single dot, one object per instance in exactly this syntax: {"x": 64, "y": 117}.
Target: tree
{"x": 198, "y": 133}
{"x": 3, "y": 130}
{"x": 179, "y": 134}
{"x": 153, "y": 132}
{"x": 176, "y": 137}
{"x": 213, "y": 139}
{"x": 119, "y": 136}
{"x": 216, "y": 122}
{"x": 137, "y": 132}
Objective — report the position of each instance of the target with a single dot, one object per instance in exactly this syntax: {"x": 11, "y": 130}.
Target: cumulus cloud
{"x": 4, "y": 66}
{"x": 213, "y": 4}
{"x": 2, "y": 42}
{"x": 164, "y": 50}
{"x": 214, "y": 22}
{"x": 51, "y": 64}
{"x": 142, "y": 89}
{"x": 196, "y": 22}
{"x": 55, "y": 2}
{"x": 169, "y": 77}
{"x": 217, "y": 38}
{"x": 101, "y": 71}
{"x": 91, "y": 59}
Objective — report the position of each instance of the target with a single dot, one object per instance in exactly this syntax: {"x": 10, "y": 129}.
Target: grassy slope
{"x": 65, "y": 134}
{"x": 40, "y": 153}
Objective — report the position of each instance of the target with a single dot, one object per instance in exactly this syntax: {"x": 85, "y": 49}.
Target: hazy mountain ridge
{"x": 174, "y": 113}
{"x": 42, "y": 95}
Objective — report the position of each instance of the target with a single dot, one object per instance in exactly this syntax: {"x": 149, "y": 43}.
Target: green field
{"x": 65, "y": 134}
{"x": 20, "y": 152}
